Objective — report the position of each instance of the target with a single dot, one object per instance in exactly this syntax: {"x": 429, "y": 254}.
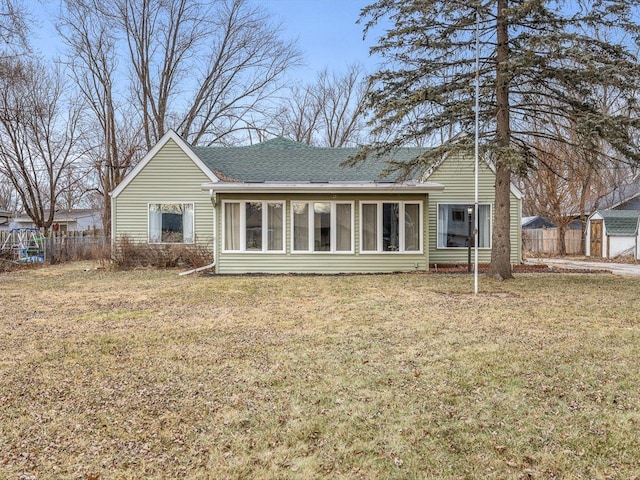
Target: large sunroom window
{"x": 391, "y": 227}
{"x": 322, "y": 226}
{"x": 171, "y": 223}
{"x": 253, "y": 226}
{"x": 455, "y": 223}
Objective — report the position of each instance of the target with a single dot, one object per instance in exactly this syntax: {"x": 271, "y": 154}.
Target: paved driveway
{"x": 574, "y": 264}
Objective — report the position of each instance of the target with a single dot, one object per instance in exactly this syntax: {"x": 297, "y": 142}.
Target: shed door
{"x": 596, "y": 238}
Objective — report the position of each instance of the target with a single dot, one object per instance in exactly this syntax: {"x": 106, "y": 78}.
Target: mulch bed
{"x": 456, "y": 268}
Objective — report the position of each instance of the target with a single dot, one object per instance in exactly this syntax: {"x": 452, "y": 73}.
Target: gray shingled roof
{"x": 622, "y": 194}
{"x": 283, "y": 160}
{"x": 620, "y": 222}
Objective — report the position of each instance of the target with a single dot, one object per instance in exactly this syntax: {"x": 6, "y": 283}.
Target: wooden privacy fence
{"x": 76, "y": 246}
{"x": 69, "y": 246}
{"x": 545, "y": 240}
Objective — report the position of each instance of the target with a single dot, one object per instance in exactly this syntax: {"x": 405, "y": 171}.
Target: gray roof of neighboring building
{"x": 63, "y": 215}
{"x": 536, "y": 221}
{"x": 622, "y": 194}
{"x": 281, "y": 159}
{"x": 5, "y": 215}
{"x": 620, "y": 222}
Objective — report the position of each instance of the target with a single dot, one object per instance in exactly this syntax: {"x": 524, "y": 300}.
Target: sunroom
{"x": 328, "y": 227}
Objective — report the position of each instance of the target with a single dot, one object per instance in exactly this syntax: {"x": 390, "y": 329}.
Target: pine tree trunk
{"x": 501, "y": 242}
{"x": 500, "y": 267}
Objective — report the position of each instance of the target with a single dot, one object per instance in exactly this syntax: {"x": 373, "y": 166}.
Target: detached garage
{"x": 613, "y": 233}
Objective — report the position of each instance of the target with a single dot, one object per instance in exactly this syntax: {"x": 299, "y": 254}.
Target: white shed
{"x": 612, "y": 233}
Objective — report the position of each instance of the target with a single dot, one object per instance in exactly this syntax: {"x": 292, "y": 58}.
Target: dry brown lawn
{"x": 144, "y": 374}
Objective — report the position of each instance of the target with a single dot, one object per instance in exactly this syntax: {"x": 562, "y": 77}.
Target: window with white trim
{"x": 455, "y": 224}
{"x": 253, "y": 226}
{"x": 322, "y": 227}
{"x": 171, "y": 222}
{"x": 390, "y": 227}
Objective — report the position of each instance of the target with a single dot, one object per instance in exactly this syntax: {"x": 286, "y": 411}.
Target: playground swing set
{"x": 25, "y": 245}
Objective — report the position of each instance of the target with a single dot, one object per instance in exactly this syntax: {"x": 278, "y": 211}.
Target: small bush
{"x": 128, "y": 254}
{"x": 6, "y": 263}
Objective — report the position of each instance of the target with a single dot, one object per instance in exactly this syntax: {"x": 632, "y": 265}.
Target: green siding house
{"x": 284, "y": 207}
{"x": 448, "y": 217}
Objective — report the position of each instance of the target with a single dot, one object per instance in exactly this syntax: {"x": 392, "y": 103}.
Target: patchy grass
{"x": 144, "y": 374}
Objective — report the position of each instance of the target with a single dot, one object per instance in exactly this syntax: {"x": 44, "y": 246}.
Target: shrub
{"x": 130, "y": 254}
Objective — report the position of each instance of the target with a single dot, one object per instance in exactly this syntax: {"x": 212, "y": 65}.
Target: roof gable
{"x": 184, "y": 146}
{"x": 515, "y": 191}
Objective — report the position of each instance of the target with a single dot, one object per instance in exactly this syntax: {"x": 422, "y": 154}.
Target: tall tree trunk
{"x": 562, "y": 246}
{"x": 501, "y": 242}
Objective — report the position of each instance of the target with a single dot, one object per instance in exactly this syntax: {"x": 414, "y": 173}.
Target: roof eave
{"x": 328, "y": 187}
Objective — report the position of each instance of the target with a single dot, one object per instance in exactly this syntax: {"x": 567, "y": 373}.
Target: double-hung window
{"x": 322, "y": 226}
{"x": 455, "y": 225}
{"x": 391, "y": 227}
{"x": 253, "y": 226}
{"x": 171, "y": 223}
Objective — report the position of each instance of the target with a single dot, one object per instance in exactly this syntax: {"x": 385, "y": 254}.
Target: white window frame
{"x": 311, "y": 228}
{"x": 265, "y": 226}
{"x": 193, "y": 223}
{"x": 401, "y": 227}
{"x": 465, "y": 205}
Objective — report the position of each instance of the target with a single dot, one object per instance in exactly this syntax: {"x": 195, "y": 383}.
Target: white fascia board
{"x": 170, "y": 135}
{"x": 308, "y": 187}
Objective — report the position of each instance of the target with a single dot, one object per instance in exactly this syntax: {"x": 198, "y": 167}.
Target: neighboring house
{"x": 76, "y": 220}
{"x": 612, "y": 233}
{"x": 624, "y": 197}
{"x": 535, "y": 222}
{"x": 281, "y": 206}
{"x": 5, "y": 217}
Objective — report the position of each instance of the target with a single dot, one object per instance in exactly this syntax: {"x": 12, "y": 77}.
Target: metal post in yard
{"x": 470, "y": 212}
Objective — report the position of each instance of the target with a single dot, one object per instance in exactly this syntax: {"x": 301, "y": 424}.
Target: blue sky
{"x": 326, "y": 30}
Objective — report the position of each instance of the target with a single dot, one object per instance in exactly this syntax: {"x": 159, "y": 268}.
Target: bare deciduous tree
{"x": 39, "y": 135}
{"x": 7, "y": 198}
{"x": 94, "y": 60}
{"x": 201, "y": 67}
{"x": 13, "y": 26}
{"x": 144, "y": 66}
{"x": 299, "y": 115}
{"x": 328, "y": 112}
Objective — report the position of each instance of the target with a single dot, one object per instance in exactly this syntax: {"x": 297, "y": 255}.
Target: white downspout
{"x": 212, "y": 195}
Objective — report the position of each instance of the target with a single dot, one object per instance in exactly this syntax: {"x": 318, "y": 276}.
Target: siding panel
{"x": 457, "y": 174}
{"x": 170, "y": 176}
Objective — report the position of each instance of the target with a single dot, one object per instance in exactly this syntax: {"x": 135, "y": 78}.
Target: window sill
{"x": 256, "y": 252}
{"x": 308, "y": 252}
{"x": 406, "y": 252}
{"x": 462, "y": 248}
